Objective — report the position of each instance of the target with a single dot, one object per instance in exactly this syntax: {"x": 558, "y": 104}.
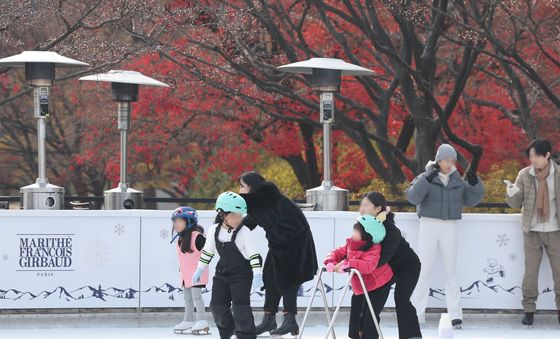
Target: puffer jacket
{"x": 439, "y": 201}
{"x": 526, "y": 198}
{"x": 363, "y": 261}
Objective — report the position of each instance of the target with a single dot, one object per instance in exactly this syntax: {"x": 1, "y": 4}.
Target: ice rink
{"x": 159, "y": 326}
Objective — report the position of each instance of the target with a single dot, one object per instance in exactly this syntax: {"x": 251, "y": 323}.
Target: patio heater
{"x": 39, "y": 74}
{"x": 124, "y": 86}
{"x": 325, "y": 75}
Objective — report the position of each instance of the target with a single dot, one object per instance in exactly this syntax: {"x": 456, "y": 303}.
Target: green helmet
{"x": 374, "y": 227}
{"x": 231, "y": 202}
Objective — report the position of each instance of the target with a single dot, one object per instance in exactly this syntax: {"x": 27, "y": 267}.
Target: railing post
{"x": 318, "y": 286}
{"x": 373, "y": 316}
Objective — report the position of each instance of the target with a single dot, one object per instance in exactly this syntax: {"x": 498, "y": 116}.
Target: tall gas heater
{"x": 325, "y": 74}
{"x": 39, "y": 74}
{"x": 124, "y": 86}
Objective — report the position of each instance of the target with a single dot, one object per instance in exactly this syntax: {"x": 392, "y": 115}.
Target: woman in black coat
{"x": 396, "y": 251}
{"x": 291, "y": 258}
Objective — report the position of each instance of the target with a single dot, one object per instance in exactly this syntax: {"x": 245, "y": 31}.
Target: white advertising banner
{"x": 70, "y": 260}
{"x": 106, "y": 259}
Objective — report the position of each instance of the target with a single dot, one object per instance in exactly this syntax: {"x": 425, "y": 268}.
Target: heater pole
{"x": 124, "y": 126}
{"x": 327, "y": 162}
{"x": 124, "y": 143}
{"x": 326, "y": 107}
{"x": 42, "y": 179}
{"x": 40, "y": 107}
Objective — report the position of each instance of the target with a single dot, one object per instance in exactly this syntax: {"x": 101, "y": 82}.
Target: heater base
{"x": 324, "y": 199}
{"x": 123, "y": 199}
{"x": 42, "y": 197}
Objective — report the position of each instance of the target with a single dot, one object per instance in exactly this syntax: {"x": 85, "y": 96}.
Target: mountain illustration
{"x": 62, "y": 293}
{"x": 437, "y": 293}
{"x": 476, "y": 289}
{"x": 90, "y": 292}
{"x": 307, "y": 292}
{"x": 59, "y": 292}
{"x": 171, "y": 291}
{"x": 166, "y": 287}
{"x": 9, "y": 294}
{"x": 480, "y": 285}
{"x": 25, "y": 296}
{"x": 153, "y": 289}
{"x": 128, "y": 293}
{"x": 547, "y": 290}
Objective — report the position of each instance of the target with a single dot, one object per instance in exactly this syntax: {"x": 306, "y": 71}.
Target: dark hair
{"x": 220, "y": 217}
{"x": 365, "y": 237}
{"x": 378, "y": 199}
{"x": 253, "y": 179}
{"x": 541, "y": 147}
{"x": 186, "y": 239}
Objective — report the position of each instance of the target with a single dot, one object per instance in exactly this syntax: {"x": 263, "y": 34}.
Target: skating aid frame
{"x": 320, "y": 286}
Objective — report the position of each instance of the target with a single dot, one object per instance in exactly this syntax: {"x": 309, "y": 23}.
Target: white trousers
{"x": 435, "y": 235}
{"x": 193, "y": 299}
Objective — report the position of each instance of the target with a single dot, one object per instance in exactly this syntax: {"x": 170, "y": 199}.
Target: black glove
{"x": 433, "y": 174}
{"x": 472, "y": 179}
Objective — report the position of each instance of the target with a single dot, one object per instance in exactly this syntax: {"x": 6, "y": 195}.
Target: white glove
{"x": 258, "y": 283}
{"x": 512, "y": 189}
{"x": 196, "y": 276}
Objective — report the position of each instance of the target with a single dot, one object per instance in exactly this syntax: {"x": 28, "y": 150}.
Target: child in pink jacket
{"x": 189, "y": 246}
{"x": 362, "y": 252}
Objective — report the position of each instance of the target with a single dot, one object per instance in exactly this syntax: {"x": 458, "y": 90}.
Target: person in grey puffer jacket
{"x": 440, "y": 194}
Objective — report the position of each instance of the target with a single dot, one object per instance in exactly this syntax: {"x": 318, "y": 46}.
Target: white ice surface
{"x": 311, "y": 333}
{"x": 160, "y": 326}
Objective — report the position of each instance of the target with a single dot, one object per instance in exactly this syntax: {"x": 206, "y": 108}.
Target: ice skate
{"x": 183, "y": 328}
{"x": 289, "y": 325}
{"x": 201, "y": 328}
{"x": 268, "y": 323}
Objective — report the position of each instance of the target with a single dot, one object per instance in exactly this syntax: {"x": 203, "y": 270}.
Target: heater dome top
{"x": 127, "y": 77}
{"x": 307, "y": 66}
{"x": 40, "y": 57}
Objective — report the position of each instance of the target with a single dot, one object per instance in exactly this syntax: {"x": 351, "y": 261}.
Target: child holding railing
{"x": 362, "y": 252}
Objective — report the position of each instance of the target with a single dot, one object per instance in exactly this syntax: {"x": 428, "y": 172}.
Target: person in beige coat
{"x": 537, "y": 192}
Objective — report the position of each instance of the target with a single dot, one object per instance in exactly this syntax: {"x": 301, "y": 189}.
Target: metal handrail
{"x": 319, "y": 283}
{"x": 88, "y": 198}
{"x": 366, "y": 295}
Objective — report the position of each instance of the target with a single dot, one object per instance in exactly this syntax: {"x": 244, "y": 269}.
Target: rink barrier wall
{"x": 123, "y": 259}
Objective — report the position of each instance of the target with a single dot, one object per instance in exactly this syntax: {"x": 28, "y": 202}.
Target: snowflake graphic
{"x": 119, "y": 229}
{"x": 164, "y": 233}
{"x": 502, "y": 240}
{"x": 5, "y": 257}
{"x": 513, "y": 257}
{"x": 97, "y": 253}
